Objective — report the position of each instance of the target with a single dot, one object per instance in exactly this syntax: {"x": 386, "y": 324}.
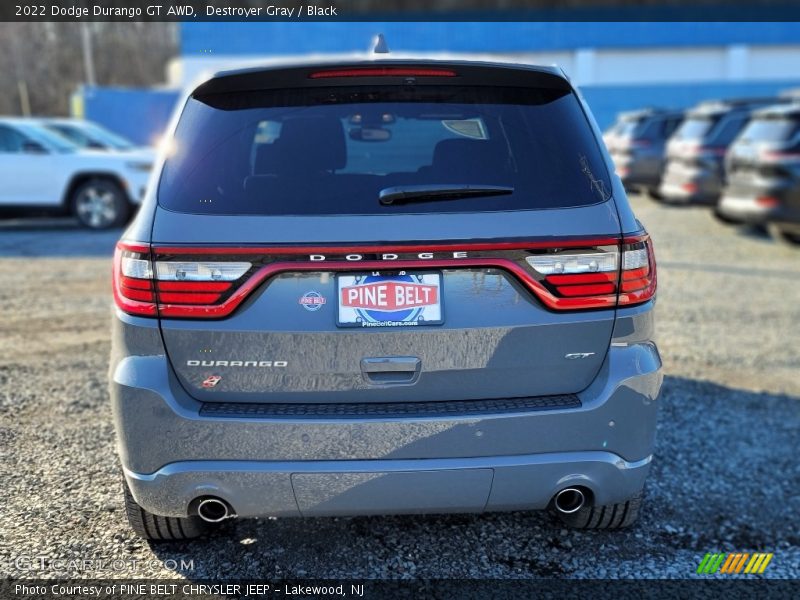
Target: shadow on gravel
{"x": 724, "y": 479}
{"x": 54, "y": 237}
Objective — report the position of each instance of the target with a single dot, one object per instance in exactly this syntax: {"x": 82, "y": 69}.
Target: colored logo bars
{"x": 734, "y": 562}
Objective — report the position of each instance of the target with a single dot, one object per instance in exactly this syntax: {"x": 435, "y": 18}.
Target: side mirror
{"x": 31, "y": 147}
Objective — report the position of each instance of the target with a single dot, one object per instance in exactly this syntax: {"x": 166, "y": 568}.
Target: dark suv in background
{"x": 694, "y": 173}
{"x": 637, "y": 144}
{"x": 763, "y": 167}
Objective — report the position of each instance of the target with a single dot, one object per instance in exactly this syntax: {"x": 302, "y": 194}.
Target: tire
{"x": 161, "y": 529}
{"x": 100, "y": 204}
{"x": 782, "y": 236}
{"x": 654, "y": 194}
{"x": 610, "y": 516}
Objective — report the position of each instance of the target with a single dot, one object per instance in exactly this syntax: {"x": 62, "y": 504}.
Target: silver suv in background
{"x": 694, "y": 173}
{"x": 637, "y": 144}
{"x": 763, "y": 165}
{"x": 384, "y": 286}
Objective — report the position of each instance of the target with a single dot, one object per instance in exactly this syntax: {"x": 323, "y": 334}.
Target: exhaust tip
{"x": 569, "y": 500}
{"x": 214, "y": 510}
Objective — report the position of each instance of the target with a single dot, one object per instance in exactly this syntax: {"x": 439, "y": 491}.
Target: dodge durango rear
{"x": 382, "y": 287}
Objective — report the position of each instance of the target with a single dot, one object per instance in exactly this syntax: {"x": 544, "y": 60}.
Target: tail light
{"x": 144, "y": 286}
{"x": 767, "y": 201}
{"x": 639, "y": 143}
{"x": 382, "y": 72}
{"x": 601, "y": 276}
{"x": 212, "y": 282}
{"x": 638, "y": 273}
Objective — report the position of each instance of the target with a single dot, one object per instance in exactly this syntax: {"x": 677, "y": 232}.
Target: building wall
{"x": 618, "y": 65}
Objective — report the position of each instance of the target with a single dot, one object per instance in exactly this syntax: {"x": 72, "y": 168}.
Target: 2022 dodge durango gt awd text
{"x": 379, "y": 287}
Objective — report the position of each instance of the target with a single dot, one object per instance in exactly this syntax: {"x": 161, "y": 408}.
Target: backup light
{"x": 598, "y": 262}
{"x": 136, "y": 267}
{"x": 200, "y": 271}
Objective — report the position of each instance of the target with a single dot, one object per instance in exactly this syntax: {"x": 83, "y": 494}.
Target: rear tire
{"x": 609, "y": 516}
{"x": 161, "y": 529}
{"x": 783, "y": 237}
{"x": 100, "y": 204}
{"x": 654, "y": 194}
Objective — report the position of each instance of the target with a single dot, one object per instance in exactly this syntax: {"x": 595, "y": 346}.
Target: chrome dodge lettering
{"x": 391, "y": 256}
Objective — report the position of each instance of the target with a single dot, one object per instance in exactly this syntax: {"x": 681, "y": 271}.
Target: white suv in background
{"x": 41, "y": 169}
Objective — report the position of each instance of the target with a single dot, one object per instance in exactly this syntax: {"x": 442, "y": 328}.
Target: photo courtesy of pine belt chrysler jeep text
{"x": 382, "y": 286}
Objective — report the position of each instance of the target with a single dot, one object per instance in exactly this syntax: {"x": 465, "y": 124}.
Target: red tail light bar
{"x": 382, "y": 72}
{"x": 195, "y": 282}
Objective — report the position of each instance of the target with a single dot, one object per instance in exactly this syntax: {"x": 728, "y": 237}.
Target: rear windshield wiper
{"x": 404, "y": 194}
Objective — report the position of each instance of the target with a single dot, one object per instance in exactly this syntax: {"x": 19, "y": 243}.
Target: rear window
{"x": 771, "y": 130}
{"x": 695, "y": 128}
{"x": 333, "y": 150}
{"x": 630, "y": 127}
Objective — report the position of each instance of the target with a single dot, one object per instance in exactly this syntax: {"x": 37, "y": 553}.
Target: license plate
{"x": 389, "y": 299}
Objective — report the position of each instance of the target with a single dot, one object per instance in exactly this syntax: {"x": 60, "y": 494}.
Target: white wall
{"x": 587, "y": 66}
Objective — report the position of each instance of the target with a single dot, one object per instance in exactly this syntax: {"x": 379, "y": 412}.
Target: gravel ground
{"x": 724, "y": 479}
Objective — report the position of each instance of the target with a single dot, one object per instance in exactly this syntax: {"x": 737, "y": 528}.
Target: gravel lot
{"x": 725, "y": 477}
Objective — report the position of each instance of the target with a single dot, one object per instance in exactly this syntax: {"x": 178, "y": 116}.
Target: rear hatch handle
{"x": 391, "y": 370}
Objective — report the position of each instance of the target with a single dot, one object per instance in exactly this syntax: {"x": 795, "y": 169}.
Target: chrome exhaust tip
{"x": 214, "y": 510}
{"x": 569, "y": 500}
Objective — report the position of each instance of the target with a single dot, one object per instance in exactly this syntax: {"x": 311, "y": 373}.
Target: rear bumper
{"x": 292, "y": 466}
{"x": 747, "y": 210}
{"x": 690, "y": 192}
{"x": 337, "y": 488}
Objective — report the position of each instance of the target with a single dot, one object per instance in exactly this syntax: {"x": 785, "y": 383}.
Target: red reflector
{"x": 140, "y": 295}
{"x": 635, "y": 274}
{"x": 193, "y": 286}
{"x": 382, "y": 72}
{"x": 636, "y": 284}
{"x": 582, "y": 278}
{"x": 689, "y": 187}
{"x": 189, "y": 298}
{"x": 130, "y": 282}
{"x": 586, "y": 290}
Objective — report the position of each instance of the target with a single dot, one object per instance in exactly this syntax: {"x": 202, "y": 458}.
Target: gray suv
{"x": 695, "y": 168}
{"x": 763, "y": 166}
{"x": 637, "y": 143}
{"x": 379, "y": 287}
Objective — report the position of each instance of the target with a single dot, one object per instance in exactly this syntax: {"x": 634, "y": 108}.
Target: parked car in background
{"x": 763, "y": 166}
{"x": 87, "y": 134}
{"x": 637, "y": 144}
{"x": 694, "y": 172}
{"x": 41, "y": 169}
